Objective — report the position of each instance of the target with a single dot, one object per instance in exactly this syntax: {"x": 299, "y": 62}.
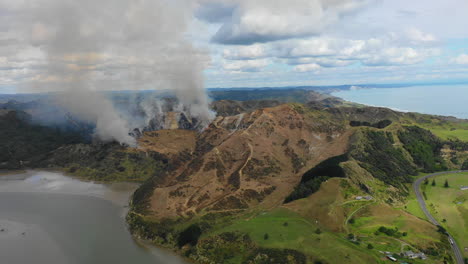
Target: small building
{"x": 422, "y": 256}
{"x": 359, "y": 198}
{"x": 464, "y": 188}
{"x": 390, "y": 257}
{"x": 368, "y": 197}
{"x": 411, "y": 255}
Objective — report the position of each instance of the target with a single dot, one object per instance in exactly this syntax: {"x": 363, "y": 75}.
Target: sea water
{"x": 47, "y": 217}
{"x": 446, "y": 100}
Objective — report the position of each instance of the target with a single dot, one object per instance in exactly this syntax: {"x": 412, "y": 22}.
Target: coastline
{"x": 443, "y": 101}
{"x": 37, "y": 182}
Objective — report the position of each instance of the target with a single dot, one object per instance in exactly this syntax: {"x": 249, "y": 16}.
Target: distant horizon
{"x": 363, "y": 85}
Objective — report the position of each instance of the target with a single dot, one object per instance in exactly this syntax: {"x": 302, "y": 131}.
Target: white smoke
{"x": 93, "y": 46}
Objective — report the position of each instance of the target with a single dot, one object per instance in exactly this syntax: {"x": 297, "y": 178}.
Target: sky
{"x": 240, "y": 43}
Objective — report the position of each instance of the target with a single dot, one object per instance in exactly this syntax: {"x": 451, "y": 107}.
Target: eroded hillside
{"x": 276, "y": 183}
{"x": 308, "y": 162}
{"x": 247, "y": 160}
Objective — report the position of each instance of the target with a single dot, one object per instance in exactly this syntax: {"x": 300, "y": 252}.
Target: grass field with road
{"x": 450, "y": 204}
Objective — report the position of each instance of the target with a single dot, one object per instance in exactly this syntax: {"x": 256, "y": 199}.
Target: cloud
{"x": 397, "y": 56}
{"x": 322, "y": 62}
{"x": 313, "y": 47}
{"x": 214, "y": 12}
{"x": 246, "y": 65}
{"x": 461, "y": 59}
{"x": 417, "y": 36}
{"x": 323, "y": 54}
{"x": 246, "y": 52}
{"x": 390, "y": 49}
{"x": 265, "y": 20}
{"x": 87, "y": 46}
{"x": 307, "y": 67}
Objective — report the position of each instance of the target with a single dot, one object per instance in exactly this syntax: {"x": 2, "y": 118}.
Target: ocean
{"x": 446, "y": 100}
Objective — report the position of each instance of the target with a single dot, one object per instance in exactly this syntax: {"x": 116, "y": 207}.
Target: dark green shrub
{"x": 189, "y": 236}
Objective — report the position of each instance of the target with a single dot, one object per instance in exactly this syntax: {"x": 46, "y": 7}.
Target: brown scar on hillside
{"x": 239, "y": 170}
{"x": 168, "y": 142}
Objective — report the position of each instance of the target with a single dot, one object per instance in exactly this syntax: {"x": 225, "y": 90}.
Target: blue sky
{"x": 232, "y": 43}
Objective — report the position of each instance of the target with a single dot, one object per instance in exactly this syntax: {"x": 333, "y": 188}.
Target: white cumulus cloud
{"x": 461, "y": 59}
{"x": 265, "y": 20}
{"x": 307, "y": 67}
{"x": 246, "y": 65}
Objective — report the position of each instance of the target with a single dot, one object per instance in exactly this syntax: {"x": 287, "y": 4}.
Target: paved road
{"x": 422, "y": 203}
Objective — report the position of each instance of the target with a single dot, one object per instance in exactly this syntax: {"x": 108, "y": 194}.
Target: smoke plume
{"x": 94, "y": 46}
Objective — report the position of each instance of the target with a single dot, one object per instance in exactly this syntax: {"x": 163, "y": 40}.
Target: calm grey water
{"x": 447, "y": 100}
{"x": 50, "y": 218}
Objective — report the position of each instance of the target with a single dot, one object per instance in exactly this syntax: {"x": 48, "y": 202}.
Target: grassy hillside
{"x": 449, "y": 205}
{"x": 444, "y": 128}
{"x": 330, "y": 226}
{"x": 353, "y": 201}
{"x": 217, "y": 196}
{"x": 107, "y": 162}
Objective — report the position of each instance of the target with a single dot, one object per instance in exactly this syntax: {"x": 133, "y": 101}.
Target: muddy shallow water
{"x": 47, "y": 217}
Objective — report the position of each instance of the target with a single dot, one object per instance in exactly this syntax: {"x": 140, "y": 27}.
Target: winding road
{"x": 417, "y": 190}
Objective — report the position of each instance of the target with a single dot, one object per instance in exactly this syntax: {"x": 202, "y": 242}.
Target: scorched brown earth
{"x": 251, "y": 159}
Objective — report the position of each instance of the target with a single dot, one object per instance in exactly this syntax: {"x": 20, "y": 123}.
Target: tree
{"x": 350, "y": 236}
{"x": 426, "y": 181}
{"x": 446, "y": 185}
{"x": 189, "y": 236}
{"x": 266, "y": 236}
{"x": 433, "y": 182}
{"x": 351, "y": 221}
{"x": 318, "y": 231}
{"x": 370, "y": 246}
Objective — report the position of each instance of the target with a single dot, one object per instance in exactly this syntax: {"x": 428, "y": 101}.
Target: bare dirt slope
{"x": 251, "y": 159}
{"x": 168, "y": 142}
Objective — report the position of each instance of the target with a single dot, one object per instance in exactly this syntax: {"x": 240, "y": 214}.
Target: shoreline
{"x": 404, "y": 99}
{"x": 19, "y": 186}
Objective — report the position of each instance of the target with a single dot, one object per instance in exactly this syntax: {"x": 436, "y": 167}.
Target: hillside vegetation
{"x": 300, "y": 169}
{"x": 288, "y": 183}
{"x": 23, "y": 144}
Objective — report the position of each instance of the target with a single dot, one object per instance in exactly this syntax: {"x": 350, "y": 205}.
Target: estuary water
{"x": 446, "y": 100}
{"x": 48, "y": 218}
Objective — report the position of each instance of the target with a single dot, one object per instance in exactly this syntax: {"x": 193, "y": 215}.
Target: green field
{"x": 450, "y": 204}
{"x": 286, "y": 229}
{"x": 448, "y": 130}
{"x": 417, "y": 234}
{"x": 412, "y": 206}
